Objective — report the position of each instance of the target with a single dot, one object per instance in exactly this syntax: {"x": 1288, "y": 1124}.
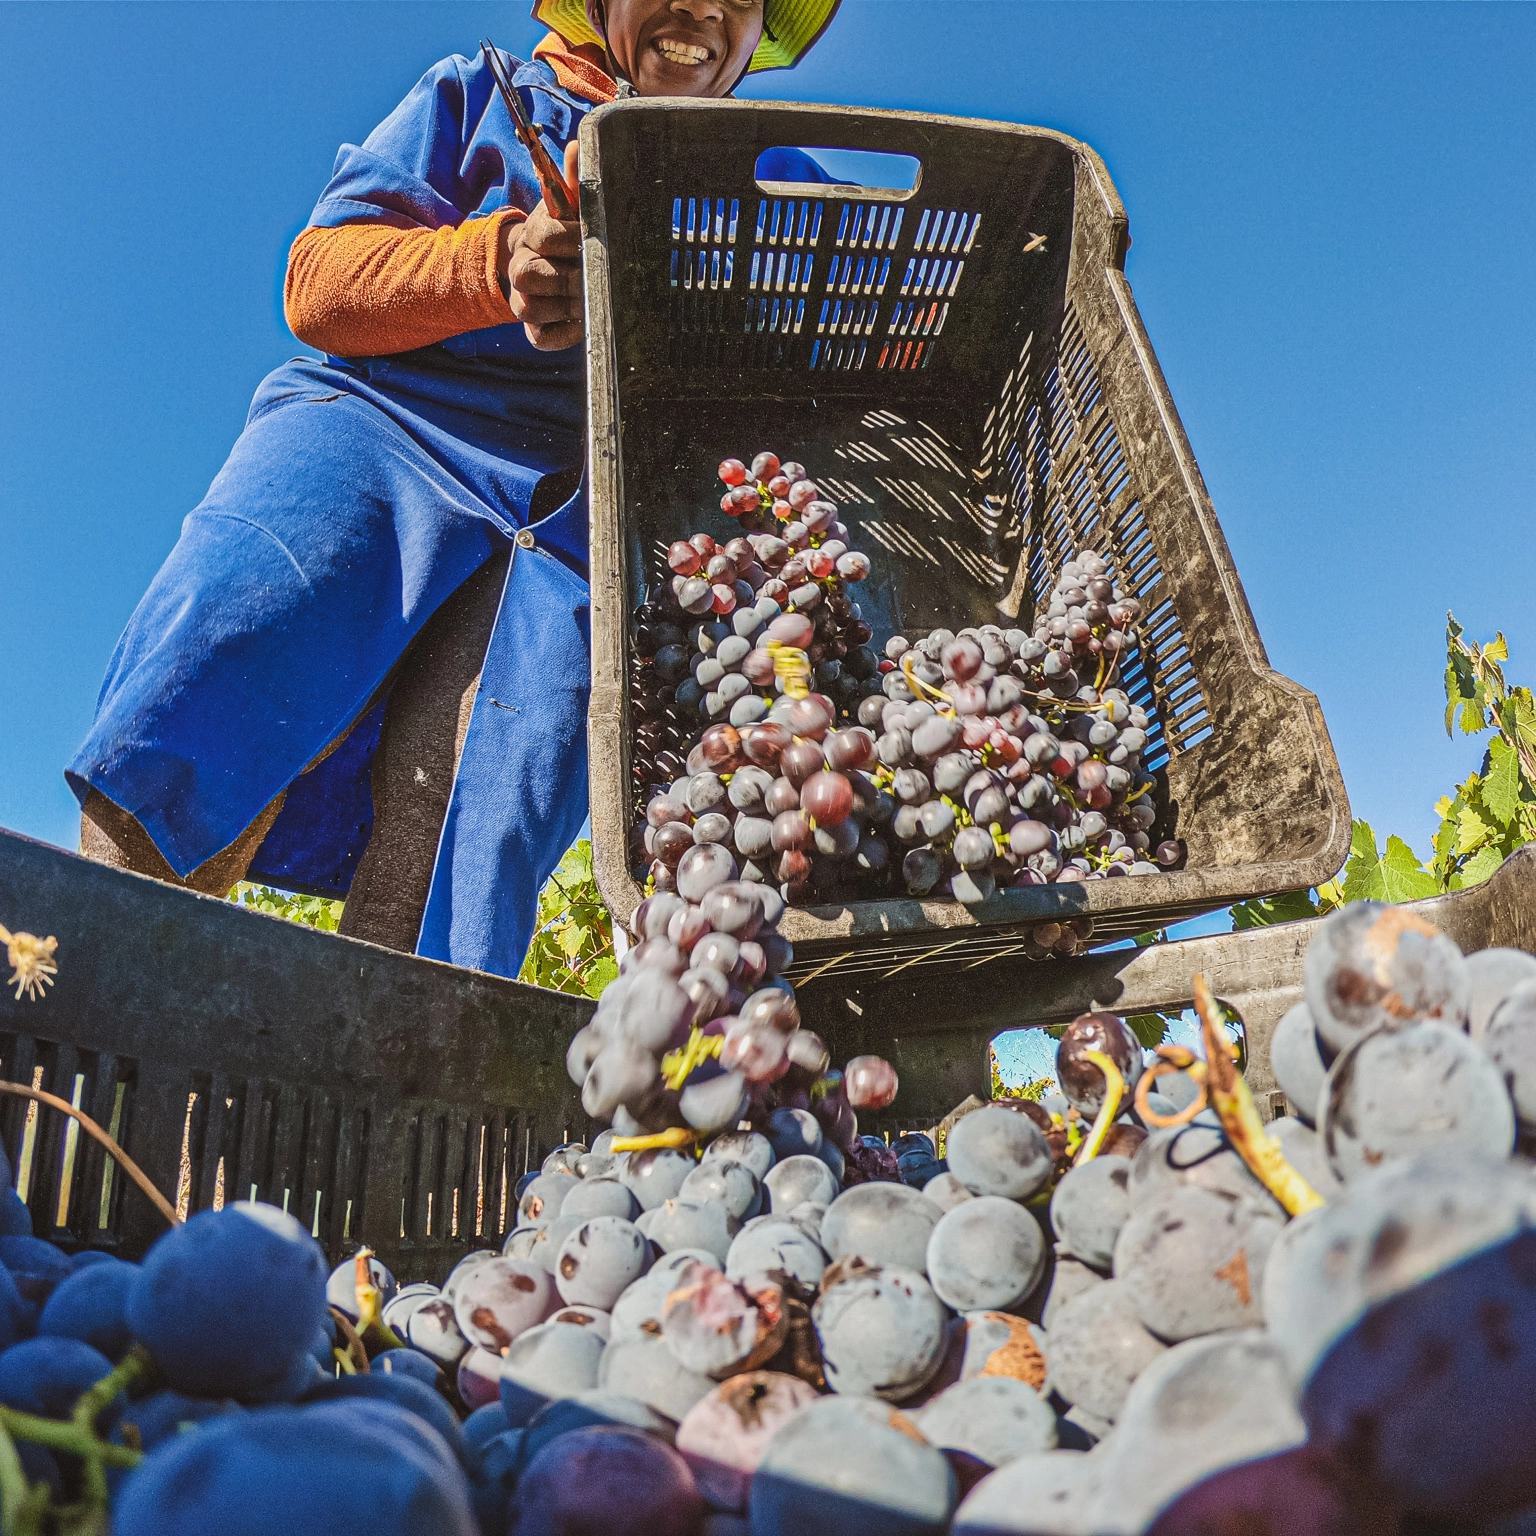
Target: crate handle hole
{"x": 863, "y": 174}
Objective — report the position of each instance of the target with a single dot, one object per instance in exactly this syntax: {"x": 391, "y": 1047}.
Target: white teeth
{"x": 681, "y": 53}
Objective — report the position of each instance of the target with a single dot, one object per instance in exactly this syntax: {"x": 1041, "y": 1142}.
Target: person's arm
{"x": 369, "y": 290}
{"x": 390, "y": 261}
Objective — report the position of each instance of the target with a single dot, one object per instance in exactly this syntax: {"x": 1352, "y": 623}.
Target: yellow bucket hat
{"x": 790, "y": 27}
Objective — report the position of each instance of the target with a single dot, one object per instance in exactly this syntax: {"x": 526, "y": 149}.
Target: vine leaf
{"x": 1501, "y": 786}
{"x": 1396, "y": 875}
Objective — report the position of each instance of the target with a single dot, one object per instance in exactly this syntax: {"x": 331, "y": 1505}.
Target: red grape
{"x": 828, "y": 797}
{"x": 756, "y": 1051}
{"x": 757, "y": 667}
{"x": 870, "y": 1082}
{"x": 792, "y": 629}
{"x": 854, "y": 566}
{"x": 764, "y": 467}
{"x": 705, "y": 545}
{"x": 724, "y": 598}
{"x": 791, "y": 831}
{"x": 802, "y": 493}
{"x": 820, "y": 564}
{"x": 849, "y": 749}
{"x": 782, "y": 796}
{"x": 792, "y": 471}
{"x": 733, "y": 471}
{"x": 721, "y": 747}
{"x": 683, "y": 558}
{"x": 799, "y": 760}
{"x": 765, "y": 742}
{"x": 809, "y": 717}
{"x": 794, "y": 867}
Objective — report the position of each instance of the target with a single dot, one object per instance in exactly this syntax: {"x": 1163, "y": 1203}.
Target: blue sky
{"x": 1335, "y": 255}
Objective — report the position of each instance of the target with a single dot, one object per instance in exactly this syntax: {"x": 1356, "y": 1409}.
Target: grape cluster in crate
{"x": 767, "y": 725}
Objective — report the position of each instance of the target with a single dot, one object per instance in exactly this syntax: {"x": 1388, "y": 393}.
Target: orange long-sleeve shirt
{"x": 362, "y": 290}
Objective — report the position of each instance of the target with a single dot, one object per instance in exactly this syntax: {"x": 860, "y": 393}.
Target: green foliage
{"x": 1287, "y": 907}
{"x": 312, "y": 911}
{"x": 572, "y": 948}
{"x": 1395, "y": 875}
{"x": 1035, "y": 1091}
{"x": 1489, "y": 814}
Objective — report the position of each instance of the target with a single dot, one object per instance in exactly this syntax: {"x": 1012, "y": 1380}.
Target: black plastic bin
{"x": 379, "y": 1097}
{"x": 964, "y": 369}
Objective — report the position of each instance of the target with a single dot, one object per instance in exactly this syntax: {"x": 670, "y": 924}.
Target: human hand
{"x": 540, "y": 269}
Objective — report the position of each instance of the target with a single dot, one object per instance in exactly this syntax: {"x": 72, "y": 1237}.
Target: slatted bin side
{"x": 379, "y": 1098}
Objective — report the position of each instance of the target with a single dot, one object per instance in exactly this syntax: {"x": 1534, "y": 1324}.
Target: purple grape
{"x": 551, "y": 1361}
{"x": 619, "y": 1481}
{"x": 751, "y": 1149}
{"x": 541, "y": 1201}
{"x": 727, "y": 1183}
{"x": 993, "y": 1418}
{"x": 776, "y": 1243}
{"x": 850, "y": 1465}
{"x": 600, "y": 1260}
{"x": 985, "y": 1254}
{"x": 624, "y": 1075}
{"x": 881, "y": 1224}
{"x": 993, "y": 1151}
{"x": 702, "y": 868}
{"x": 603, "y": 1196}
{"x": 799, "y": 1179}
{"x": 434, "y": 1330}
{"x": 1371, "y": 966}
{"x": 793, "y": 1133}
{"x": 726, "y": 1433}
{"x": 711, "y": 1103}
{"x": 1097, "y": 1346}
{"x": 1192, "y": 1261}
{"x": 479, "y": 1378}
{"x": 583, "y": 1316}
{"x": 544, "y": 1251}
{"x": 646, "y": 1370}
{"x": 656, "y": 1175}
{"x": 717, "y": 1326}
{"x": 501, "y": 1299}
{"x": 690, "y": 1223}
{"x": 881, "y": 1330}
{"x": 1089, "y": 1206}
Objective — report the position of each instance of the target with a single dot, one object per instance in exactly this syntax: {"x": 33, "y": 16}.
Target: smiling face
{"x": 680, "y": 47}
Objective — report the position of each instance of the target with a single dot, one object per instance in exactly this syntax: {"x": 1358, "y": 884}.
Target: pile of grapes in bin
{"x": 1128, "y": 1308}
{"x": 766, "y": 723}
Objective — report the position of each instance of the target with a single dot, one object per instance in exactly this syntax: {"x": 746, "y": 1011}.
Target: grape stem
{"x": 1230, "y": 1098}
{"x": 19, "y": 1510}
{"x": 677, "y": 1066}
{"x": 1114, "y": 1092}
{"x": 354, "y": 1358}
{"x": 675, "y": 1136}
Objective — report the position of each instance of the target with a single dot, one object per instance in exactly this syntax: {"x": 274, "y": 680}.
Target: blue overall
{"x": 360, "y": 495}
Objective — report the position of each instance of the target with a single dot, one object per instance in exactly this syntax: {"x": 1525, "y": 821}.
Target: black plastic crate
{"x": 381, "y": 1098}
{"x": 964, "y": 369}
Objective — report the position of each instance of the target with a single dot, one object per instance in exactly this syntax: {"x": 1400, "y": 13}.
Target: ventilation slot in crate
{"x": 1066, "y": 468}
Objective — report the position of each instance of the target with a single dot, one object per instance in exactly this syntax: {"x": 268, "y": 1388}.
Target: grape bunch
{"x": 699, "y": 1035}
{"x": 949, "y": 766}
